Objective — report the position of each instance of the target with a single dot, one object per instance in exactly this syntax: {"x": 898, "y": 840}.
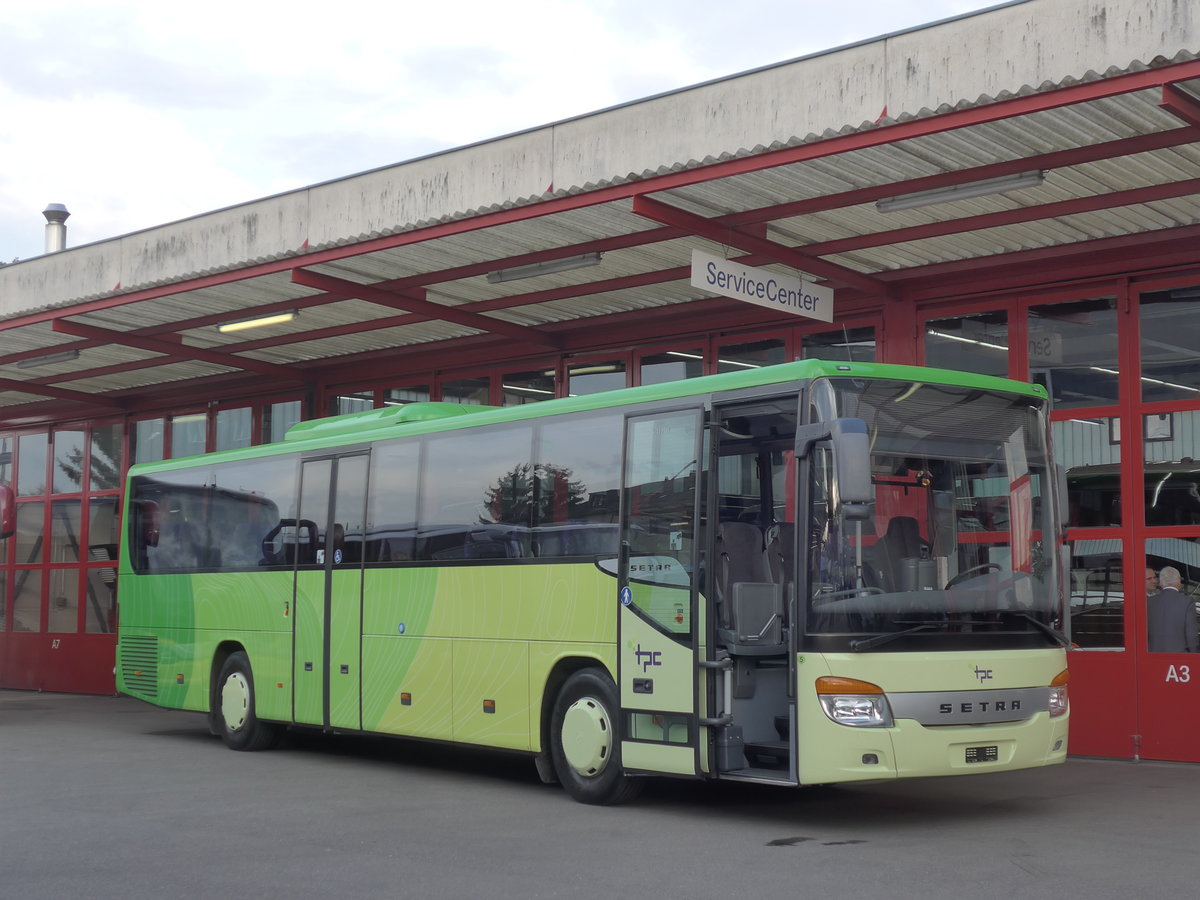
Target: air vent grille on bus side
{"x": 139, "y": 664}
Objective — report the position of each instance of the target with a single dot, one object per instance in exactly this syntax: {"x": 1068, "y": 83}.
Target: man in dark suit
{"x": 1171, "y": 616}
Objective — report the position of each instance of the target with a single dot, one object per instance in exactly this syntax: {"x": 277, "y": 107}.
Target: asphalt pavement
{"x": 107, "y": 797}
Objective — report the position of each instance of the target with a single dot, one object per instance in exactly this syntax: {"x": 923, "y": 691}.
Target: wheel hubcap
{"x": 587, "y": 737}
{"x": 235, "y": 701}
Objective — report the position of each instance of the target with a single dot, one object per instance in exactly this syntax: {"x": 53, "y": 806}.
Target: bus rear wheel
{"x": 234, "y": 715}
{"x": 585, "y": 740}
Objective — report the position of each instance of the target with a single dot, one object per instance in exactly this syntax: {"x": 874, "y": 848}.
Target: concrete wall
{"x": 1023, "y": 43}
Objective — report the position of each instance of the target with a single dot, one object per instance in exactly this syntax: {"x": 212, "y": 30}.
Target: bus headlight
{"x": 849, "y": 701}
{"x": 1059, "y": 704}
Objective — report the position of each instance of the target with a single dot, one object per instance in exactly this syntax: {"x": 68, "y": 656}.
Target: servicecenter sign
{"x": 786, "y": 293}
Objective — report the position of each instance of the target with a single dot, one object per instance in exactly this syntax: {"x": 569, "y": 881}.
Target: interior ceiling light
{"x": 549, "y": 266}
{"x": 277, "y": 319}
{"x": 49, "y": 358}
{"x": 961, "y": 191}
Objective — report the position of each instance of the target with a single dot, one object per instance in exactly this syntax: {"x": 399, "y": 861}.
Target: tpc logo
{"x": 647, "y": 658}
{"x": 983, "y": 674}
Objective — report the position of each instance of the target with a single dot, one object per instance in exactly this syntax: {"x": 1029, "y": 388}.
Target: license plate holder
{"x": 988, "y": 753}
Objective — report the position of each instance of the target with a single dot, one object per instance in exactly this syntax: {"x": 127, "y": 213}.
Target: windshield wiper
{"x": 1048, "y": 630}
{"x": 880, "y": 639}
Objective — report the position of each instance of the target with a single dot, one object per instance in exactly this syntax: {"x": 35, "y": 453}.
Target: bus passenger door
{"x": 328, "y": 604}
{"x": 657, "y": 582}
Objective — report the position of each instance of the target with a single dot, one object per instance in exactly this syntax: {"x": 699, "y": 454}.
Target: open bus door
{"x": 658, "y": 621}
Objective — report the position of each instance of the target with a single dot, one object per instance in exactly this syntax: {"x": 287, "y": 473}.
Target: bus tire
{"x": 585, "y": 741}
{"x": 233, "y": 712}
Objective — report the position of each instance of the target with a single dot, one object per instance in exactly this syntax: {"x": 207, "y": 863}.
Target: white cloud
{"x": 137, "y": 113}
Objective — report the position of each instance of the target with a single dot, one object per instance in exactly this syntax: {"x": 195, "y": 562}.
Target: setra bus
{"x": 807, "y": 573}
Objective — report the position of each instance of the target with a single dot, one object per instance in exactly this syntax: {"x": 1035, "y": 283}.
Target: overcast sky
{"x": 137, "y": 113}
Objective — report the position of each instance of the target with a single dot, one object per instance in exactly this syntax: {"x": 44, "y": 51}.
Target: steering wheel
{"x": 966, "y": 573}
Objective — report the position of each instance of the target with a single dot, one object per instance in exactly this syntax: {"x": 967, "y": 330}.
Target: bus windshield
{"x": 958, "y": 546}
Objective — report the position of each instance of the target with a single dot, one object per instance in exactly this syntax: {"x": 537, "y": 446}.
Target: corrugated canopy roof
{"x": 1122, "y": 180}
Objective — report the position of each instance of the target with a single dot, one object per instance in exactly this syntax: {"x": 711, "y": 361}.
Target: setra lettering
{"x": 982, "y": 706}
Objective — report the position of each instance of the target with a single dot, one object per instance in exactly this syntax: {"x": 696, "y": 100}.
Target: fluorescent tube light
{"x": 549, "y": 266}
{"x": 48, "y": 359}
{"x": 961, "y": 191}
{"x": 278, "y": 319}
{"x": 966, "y": 340}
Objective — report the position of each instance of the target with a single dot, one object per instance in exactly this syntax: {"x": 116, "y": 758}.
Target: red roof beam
{"x": 1059, "y": 159}
{"x": 42, "y": 390}
{"x": 1008, "y": 217}
{"x": 66, "y": 345}
{"x": 168, "y": 348}
{"x": 436, "y": 311}
{"x": 733, "y": 237}
{"x": 1179, "y": 102}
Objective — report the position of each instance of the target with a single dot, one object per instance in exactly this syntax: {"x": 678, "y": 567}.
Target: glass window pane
{"x": 476, "y": 496}
{"x": 3, "y": 600}
{"x": 103, "y": 524}
{"x": 1170, "y": 329}
{"x": 63, "y": 612}
{"x": 518, "y": 388}
{"x": 148, "y": 440}
{"x": 278, "y": 418}
{"x": 1172, "y": 488}
{"x": 30, "y": 534}
{"x": 974, "y": 343}
{"x": 392, "y": 506}
{"x": 417, "y": 393}
{"x": 68, "y": 462}
{"x": 578, "y": 487}
{"x": 1073, "y": 351}
{"x": 107, "y": 457}
{"x": 849, "y": 345}
{"x": 189, "y": 435}
{"x": 101, "y": 581}
{"x": 660, "y": 493}
{"x": 349, "y": 508}
{"x": 31, "y": 464}
{"x": 101, "y": 615}
{"x": 1086, "y": 449}
{"x": 1172, "y": 589}
{"x": 593, "y": 378}
{"x": 351, "y": 403}
{"x": 27, "y": 600}
{"x": 1097, "y": 594}
{"x": 234, "y": 427}
{"x": 470, "y": 391}
{"x": 212, "y": 517}
{"x": 674, "y": 365}
{"x": 751, "y": 355}
{"x": 64, "y": 531}
{"x": 6, "y": 448}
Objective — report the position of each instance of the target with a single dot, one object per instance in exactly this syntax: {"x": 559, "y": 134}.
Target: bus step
{"x": 767, "y": 754}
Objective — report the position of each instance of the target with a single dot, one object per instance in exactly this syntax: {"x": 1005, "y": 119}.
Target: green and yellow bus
{"x": 808, "y": 573}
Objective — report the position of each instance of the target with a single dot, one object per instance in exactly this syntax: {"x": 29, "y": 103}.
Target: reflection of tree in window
{"x": 106, "y": 460}
{"x": 543, "y": 489}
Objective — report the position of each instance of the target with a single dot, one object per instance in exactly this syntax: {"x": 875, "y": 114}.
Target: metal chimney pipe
{"x": 56, "y": 228}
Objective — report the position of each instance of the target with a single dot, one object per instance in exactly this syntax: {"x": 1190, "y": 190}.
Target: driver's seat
{"x": 901, "y": 541}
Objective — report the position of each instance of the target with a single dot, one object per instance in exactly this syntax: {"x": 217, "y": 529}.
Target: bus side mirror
{"x": 852, "y": 459}
{"x": 8, "y": 511}
{"x": 852, "y": 456}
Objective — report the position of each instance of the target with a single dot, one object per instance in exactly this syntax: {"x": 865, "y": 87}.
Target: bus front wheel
{"x": 234, "y": 717}
{"x": 585, "y": 740}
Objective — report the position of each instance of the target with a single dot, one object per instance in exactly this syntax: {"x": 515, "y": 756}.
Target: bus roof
{"x": 425, "y": 417}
